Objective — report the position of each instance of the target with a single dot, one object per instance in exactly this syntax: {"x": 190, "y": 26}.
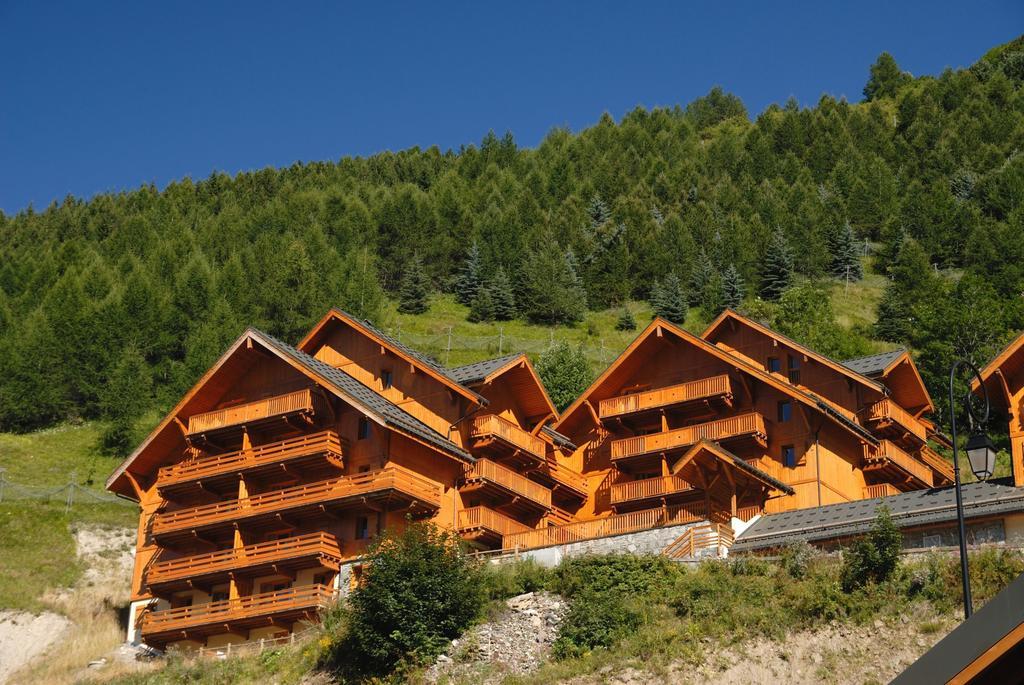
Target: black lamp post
{"x": 982, "y": 456}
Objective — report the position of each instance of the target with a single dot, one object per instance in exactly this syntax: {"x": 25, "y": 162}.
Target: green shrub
{"x": 796, "y": 558}
{"x": 620, "y": 573}
{"x": 873, "y": 558}
{"x": 595, "y": 619}
{"x": 501, "y": 581}
{"x": 419, "y": 591}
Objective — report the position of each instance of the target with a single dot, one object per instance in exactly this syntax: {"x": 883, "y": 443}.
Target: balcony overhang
{"x": 714, "y": 469}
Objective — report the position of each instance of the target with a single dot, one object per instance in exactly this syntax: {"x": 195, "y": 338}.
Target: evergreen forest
{"x": 115, "y": 305}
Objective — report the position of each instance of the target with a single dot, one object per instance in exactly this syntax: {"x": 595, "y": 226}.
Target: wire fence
{"x": 441, "y": 344}
{"x": 69, "y": 494}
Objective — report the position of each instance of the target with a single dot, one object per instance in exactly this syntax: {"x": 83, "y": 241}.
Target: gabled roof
{"x": 874, "y": 365}
{"x": 915, "y": 508}
{"x": 340, "y": 383}
{"x": 725, "y": 456}
{"x": 478, "y": 372}
{"x": 730, "y": 315}
{"x": 557, "y": 438}
{"x": 658, "y": 324}
{"x": 418, "y": 359}
{"x": 1004, "y": 364}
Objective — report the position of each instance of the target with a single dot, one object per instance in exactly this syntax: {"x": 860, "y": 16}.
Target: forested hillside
{"x": 114, "y": 305}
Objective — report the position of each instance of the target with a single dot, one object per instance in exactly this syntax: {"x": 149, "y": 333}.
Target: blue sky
{"x": 99, "y": 96}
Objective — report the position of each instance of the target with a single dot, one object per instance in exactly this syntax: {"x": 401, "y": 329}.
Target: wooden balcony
{"x": 880, "y": 490}
{"x": 563, "y": 481}
{"x": 943, "y": 469}
{"x": 747, "y": 513}
{"x": 392, "y": 483}
{"x": 703, "y": 391}
{"x": 895, "y": 464}
{"x": 617, "y": 524}
{"x": 748, "y": 426}
{"x": 638, "y": 491}
{"x": 264, "y": 558}
{"x": 299, "y": 405}
{"x": 221, "y": 470}
{"x": 487, "y": 526}
{"x": 234, "y": 615}
{"x": 503, "y": 439}
{"x": 896, "y": 422}
{"x": 497, "y": 480}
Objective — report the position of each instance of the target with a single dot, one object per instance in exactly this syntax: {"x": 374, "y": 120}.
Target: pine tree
{"x": 702, "y": 274}
{"x": 469, "y": 280}
{"x": 733, "y": 289}
{"x": 598, "y": 211}
{"x": 503, "y": 296}
{"x": 894, "y": 319}
{"x": 672, "y": 301}
{"x": 886, "y": 78}
{"x": 843, "y": 246}
{"x": 626, "y": 321}
{"x": 777, "y": 272}
{"x": 552, "y": 292}
{"x": 482, "y": 308}
{"x": 657, "y": 297}
{"x": 412, "y": 297}
{"x": 564, "y": 372}
{"x": 123, "y": 399}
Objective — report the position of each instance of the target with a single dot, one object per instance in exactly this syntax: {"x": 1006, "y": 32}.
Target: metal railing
{"x": 704, "y": 388}
{"x": 647, "y": 487}
{"x": 299, "y": 401}
{"x": 751, "y": 424}
{"x": 487, "y": 470}
{"x": 610, "y": 525}
{"x": 508, "y": 432}
{"x": 323, "y": 545}
{"x": 392, "y": 477}
{"x": 325, "y": 442}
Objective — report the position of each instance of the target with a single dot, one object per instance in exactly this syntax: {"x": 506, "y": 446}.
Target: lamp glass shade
{"x": 982, "y": 455}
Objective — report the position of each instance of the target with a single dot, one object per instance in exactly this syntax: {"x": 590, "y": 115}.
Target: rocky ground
{"x": 24, "y": 636}
{"x": 515, "y": 641}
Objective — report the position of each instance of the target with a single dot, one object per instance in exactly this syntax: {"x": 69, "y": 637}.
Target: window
{"x": 788, "y": 456}
{"x": 794, "y": 369}
{"x": 219, "y": 596}
{"x": 785, "y": 411}
{"x": 774, "y": 365}
{"x": 275, "y": 586}
{"x": 365, "y": 468}
{"x": 364, "y": 428}
{"x": 320, "y": 579}
{"x": 362, "y": 528}
{"x": 179, "y": 601}
{"x": 385, "y": 378}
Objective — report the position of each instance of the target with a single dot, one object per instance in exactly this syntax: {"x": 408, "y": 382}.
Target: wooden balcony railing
{"x": 487, "y": 470}
{"x": 750, "y": 424}
{"x": 885, "y": 411}
{"x": 747, "y": 513}
{"x": 308, "y": 597}
{"x": 705, "y": 388}
{"x": 646, "y": 488}
{"x": 610, "y": 525}
{"x": 494, "y": 426}
{"x": 694, "y": 540}
{"x": 325, "y": 442}
{"x": 475, "y": 518}
{"x": 888, "y": 453}
{"x": 297, "y": 402}
{"x": 880, "y": 490}
{"x": 322, "y": 545}
{"x": 560, "y": 517}
{"x": 567, "y": 478}
{"x": 392, "y": 477}
{"x": 937, "y": 463}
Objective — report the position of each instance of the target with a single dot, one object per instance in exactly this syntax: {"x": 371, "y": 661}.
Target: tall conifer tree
{"x": 412, "y": 297}
{"x": 777, "y": 270}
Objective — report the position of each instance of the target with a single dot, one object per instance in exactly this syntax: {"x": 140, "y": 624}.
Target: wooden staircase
{"x": 689, "y": 544}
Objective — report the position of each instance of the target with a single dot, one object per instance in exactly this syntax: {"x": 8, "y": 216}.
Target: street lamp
{"x": 981, "y": 453}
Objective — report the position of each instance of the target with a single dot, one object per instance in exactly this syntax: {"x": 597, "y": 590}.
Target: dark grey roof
{"x": 560, "y": 440}
{"x": 920, "y": 507}
{"x": 415, "y": 354}
{"x": 478, "y": 371}
{"x": 841, "y": 418}
{"x": 373, "y": 401}
{"x": 972, "y": 639}
{"x": 873, "y": 364}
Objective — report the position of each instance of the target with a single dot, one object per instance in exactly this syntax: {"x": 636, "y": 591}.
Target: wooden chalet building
{"x": 742, "y": 420}
{"x": 282, "y": 463}
{"x": 1004, "y": 381}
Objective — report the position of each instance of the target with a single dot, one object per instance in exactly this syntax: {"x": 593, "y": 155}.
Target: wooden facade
{"x": 282, "y": 464}
{"x": 274, "y": 473}
{"x": 1004, "y": 381}
{"x": 826, "y": 432}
